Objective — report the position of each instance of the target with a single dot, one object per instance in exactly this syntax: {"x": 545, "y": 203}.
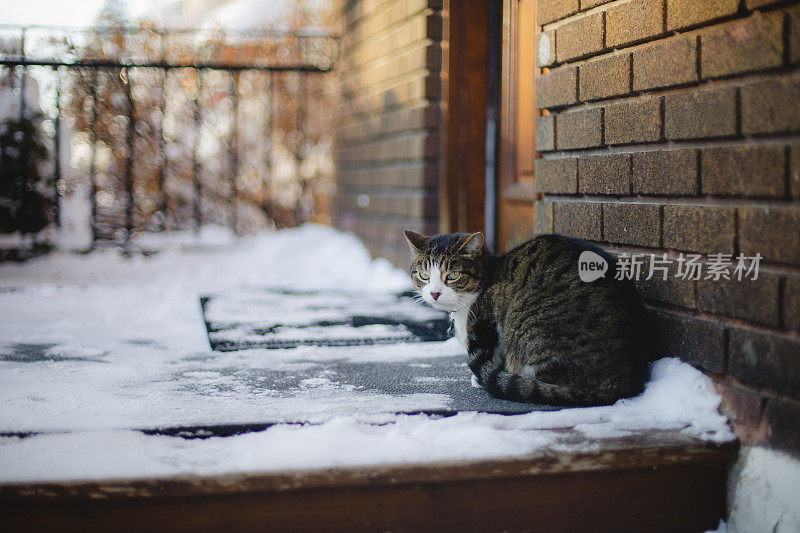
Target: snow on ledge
{"x": 678, "y": 397}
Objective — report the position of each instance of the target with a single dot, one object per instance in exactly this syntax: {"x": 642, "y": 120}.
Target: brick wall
{"x": 674, "y": 126}
{"x": 387, "y": 138}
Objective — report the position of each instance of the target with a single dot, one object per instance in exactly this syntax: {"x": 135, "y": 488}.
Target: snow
{"x": 113, "y": 341}
{"x": 50, "y": 12}
{"x": 244, "y": 15}
{"x": 763, "y": 491}
{"x": 310, "y": 257}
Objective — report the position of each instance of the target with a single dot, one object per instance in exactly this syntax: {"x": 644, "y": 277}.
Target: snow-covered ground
{"x": 113, "y": 339}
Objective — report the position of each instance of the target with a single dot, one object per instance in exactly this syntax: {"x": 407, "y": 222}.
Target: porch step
{"x": 651, "y": 481}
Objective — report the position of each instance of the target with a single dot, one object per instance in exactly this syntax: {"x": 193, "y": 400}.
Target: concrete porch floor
{"x": 105, "y": 368}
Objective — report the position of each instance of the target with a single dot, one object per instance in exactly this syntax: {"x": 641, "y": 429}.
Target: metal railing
{"x": 163, "y": 54}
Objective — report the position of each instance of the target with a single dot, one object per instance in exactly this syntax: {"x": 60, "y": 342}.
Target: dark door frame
{"x": 471, "y": 85}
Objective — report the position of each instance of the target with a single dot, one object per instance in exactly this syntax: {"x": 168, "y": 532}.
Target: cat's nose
{"x": 435, "y": 295}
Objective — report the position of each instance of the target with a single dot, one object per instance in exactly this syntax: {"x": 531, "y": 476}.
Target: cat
{"x": 533, "y": 330}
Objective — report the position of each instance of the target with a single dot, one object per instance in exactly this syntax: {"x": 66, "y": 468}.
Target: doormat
{"x": 341, "y": 380}
{"x": 279, "y": 319}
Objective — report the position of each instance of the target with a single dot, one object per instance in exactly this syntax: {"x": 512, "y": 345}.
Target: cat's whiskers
{"x": 417, "y": 297}
{"x": 466, "y": 308}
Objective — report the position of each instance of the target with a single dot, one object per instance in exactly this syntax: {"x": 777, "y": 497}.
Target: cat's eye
{"x": 452, "y": 276}
{"x": 423, "y": 276}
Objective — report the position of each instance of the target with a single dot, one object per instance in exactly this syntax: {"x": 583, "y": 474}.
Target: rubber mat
{"x": 276, "y": 319}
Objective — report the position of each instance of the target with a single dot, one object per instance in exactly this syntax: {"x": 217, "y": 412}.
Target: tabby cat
{"x": 534, "y": 331}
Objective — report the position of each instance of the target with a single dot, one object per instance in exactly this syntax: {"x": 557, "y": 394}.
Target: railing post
{"x": 198, "y": 190}
{"x": 22, "y": 70}
{"x": 57, "y": 179}
{"x": 300, "y": 119}
{"x": 22, "y": 178}
{"x": 162, "y": 167}
{"x": 234, "y": 146}
{"x": 93, "y": 158}
{"x": 129, "y": 160}
{"x": 270, "y": 94}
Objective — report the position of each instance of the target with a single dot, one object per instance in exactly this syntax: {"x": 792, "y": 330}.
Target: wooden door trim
{"x": 516, "y": 192}
{"x": 466, "y": 97}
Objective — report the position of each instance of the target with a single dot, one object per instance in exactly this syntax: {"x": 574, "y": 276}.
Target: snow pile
{"x": 110, "y": 344}
{"x": 312, "y": 257}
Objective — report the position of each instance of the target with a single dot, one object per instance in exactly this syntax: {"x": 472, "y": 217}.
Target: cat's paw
{"x": 474, "y": 382}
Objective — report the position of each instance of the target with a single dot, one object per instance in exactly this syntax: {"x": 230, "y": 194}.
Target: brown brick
{"x": 793, "y": 15}
{"x": 782, "y": 420}
{"x": 546, "y": 48}
{"x": 673, "y": 290}
{"x": 634, "y": 21}
{"x": 629, "y": 223}
{"x": 771, "y": 106}
{"x": 545, "y": 133}
{"x": 587, "y": 4}
{"x": 604, "y": 174}
{"x": 700, "y": 114}
{"x": 667, "y": 63}
{"x": 578, "y": 219}
{"x": 696, "y": 341}
{"x": 755, "y": 43}
{"x": 701, "y": 229}
{"x": 579, "y": 129}
{"x": 773, "y": 232}
{"x": 557, "y": 88}
{"x": 744, "y": 409}
{"x": 433, "y": 85}
{"x": 794, "y": 170}
{"x": 791, "y": 302}
{"x": 766, "y": 360}
{"x": 744, "y": 171}
{"x": 556, "y": 175}
{"x": 606, "y": 77}
{"x": 434, "y": 26}
{"x": 580, "y": 37}
{"x": 672, "y": 172}
{"x": 748, "y": 299}
{"x": 633, "y": 122}
{"x": 542, "y": 217}
{"x": 549, "y": 10}
{"x": 684, "y": 13}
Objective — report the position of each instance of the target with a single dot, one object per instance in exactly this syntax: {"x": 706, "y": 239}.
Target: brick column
{"x": 673, "y": 126}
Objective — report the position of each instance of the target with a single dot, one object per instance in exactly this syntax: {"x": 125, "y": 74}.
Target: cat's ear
{"x": 417, "y": 241}
{"x": 473, "y": 244}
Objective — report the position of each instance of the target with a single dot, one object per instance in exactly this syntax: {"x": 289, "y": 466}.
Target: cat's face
{"x": 447, "y": 269}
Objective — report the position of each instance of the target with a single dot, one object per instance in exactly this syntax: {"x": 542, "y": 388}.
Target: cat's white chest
{"x": 460, "y": 326}
{"x": 460, "y": 318}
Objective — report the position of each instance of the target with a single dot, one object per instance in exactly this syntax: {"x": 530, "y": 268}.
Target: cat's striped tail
{"x": 507, "y": 386}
